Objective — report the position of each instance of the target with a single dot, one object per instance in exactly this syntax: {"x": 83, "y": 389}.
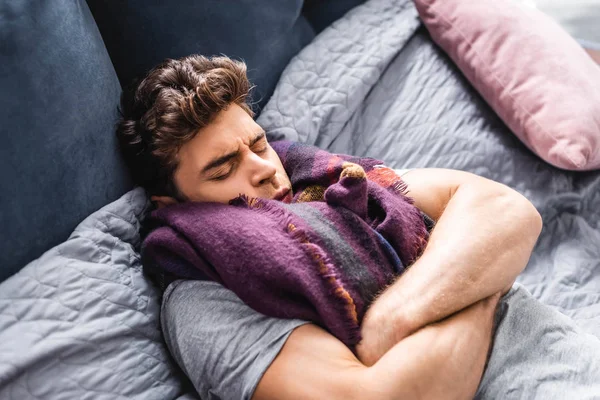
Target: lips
{"x": 288, "y": 198}
{"x": 284, "y": 195}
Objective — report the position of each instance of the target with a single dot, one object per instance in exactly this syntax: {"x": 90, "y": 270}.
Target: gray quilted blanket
{"x": 374, "y": 84}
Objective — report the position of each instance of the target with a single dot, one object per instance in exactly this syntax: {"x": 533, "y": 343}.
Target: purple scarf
{"x": 348, "y": 232}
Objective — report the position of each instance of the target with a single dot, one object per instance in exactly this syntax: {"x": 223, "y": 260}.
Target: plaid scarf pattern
{"x": 349, "y": 231}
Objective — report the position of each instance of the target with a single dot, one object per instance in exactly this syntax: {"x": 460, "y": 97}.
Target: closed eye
{"x": 223, "y": 176}
{"x": 261, "y": 150}
{"x": 259, "y": 144}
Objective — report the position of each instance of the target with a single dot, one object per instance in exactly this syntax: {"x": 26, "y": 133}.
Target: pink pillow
{"x": 537, "y": 78}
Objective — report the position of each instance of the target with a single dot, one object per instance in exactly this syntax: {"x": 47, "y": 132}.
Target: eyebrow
{"x": 217, "y": 162}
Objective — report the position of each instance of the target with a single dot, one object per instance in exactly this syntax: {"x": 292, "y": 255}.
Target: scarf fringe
{"x": 324, "y": 267}
{"x": 388, "y": 178}
{"x": 327, "y": 271}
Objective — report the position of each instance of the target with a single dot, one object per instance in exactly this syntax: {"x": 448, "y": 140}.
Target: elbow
{"x": 512, "y": 213}
{"x": 536, "y": 222}
{"x": 528, "y": 220}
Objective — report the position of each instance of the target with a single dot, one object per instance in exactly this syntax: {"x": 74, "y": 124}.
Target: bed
{"x": 82, "y": 320}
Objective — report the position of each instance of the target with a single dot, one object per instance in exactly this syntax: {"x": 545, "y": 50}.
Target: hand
{"x": 487, "y": 304}
{"x": 379, "y": 334}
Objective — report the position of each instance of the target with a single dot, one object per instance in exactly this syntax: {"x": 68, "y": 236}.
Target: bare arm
{"x": 443, "y": 360}
{"x": 483, "y": 239}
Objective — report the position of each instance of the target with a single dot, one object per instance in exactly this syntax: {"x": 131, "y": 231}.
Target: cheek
{"x": 282, "y": 170}
{"x": 274, "y": 159}
{"x": 232, "y": 188}
{"x": 185, "y": 182}
{"x": 219, "y": 193}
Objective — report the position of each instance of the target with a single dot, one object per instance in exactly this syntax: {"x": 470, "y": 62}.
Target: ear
{"x": 163, "y": 201}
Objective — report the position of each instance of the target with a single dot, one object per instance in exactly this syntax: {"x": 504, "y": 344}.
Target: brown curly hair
{"x": 168, "y": 108}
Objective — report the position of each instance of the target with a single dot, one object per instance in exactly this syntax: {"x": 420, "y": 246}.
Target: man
{"x": 188, "y": 134}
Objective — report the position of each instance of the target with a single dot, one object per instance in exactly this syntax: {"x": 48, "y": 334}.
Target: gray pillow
{"x": 82, "y": 320}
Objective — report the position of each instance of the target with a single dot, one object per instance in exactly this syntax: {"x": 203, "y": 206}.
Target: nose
{"x": 263, "y": 170}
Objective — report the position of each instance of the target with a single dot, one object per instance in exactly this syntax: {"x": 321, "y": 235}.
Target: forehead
{"x": 229, "y": 124}
{"x": 220, "y": 136}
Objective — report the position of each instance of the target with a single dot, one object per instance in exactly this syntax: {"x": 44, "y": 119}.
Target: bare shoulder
{"x": 432, "y": 188}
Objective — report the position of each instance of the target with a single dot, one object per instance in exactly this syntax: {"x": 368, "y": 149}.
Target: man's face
{"x": 227, "y": 158}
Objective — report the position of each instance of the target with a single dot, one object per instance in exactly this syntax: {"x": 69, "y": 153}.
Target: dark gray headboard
{"x": 58, "y": 105}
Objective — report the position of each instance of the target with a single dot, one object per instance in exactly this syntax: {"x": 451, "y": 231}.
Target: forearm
{"x": 481, "y": 242}
{"x": 443, "y": 360}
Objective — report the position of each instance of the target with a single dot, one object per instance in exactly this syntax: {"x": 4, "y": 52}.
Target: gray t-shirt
{"x": 220, "y": 343}
{"x": 225, "y": 347}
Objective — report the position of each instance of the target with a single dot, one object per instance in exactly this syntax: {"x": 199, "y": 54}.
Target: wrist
{"x": 405, "y": 322}
{"x": 395, "y": 317}
{"x": 406, "y": 304}
{"x": 381, "y": 329}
